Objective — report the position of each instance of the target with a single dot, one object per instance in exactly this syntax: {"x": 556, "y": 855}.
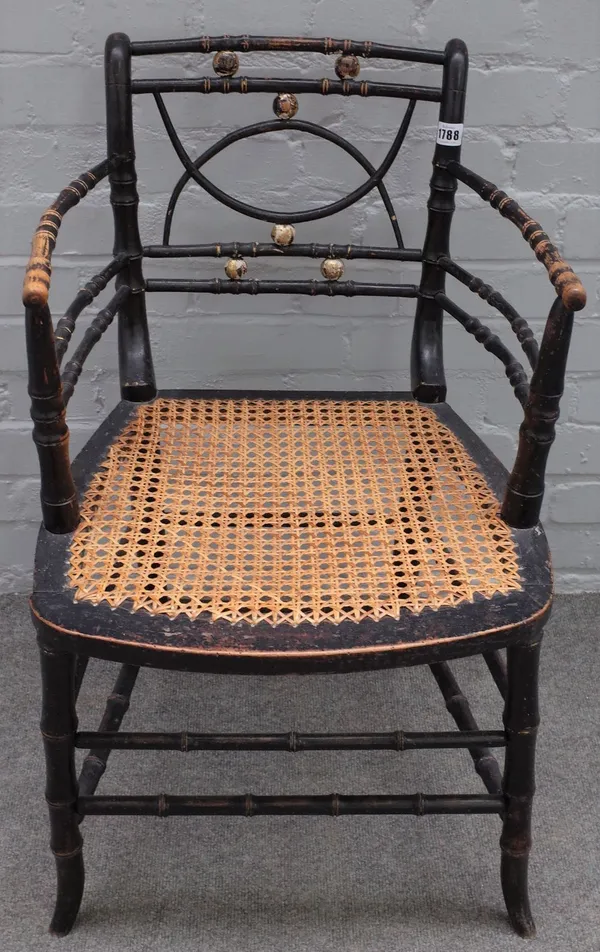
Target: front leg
{"x": 58, "y": 726}
{"x": 521, "y": 719}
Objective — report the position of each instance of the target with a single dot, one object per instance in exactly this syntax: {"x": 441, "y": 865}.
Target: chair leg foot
{"x": 514, "y": 886}
{"x": 69, "y": 891}
{"x": 58, "y": 724}
{"x": 521, "y": 719}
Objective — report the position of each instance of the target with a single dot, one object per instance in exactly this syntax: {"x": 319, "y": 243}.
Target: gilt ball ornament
{"x": 347, "y": 66}
{"x": 236, "y": 268}
{"x": 226, "y": 63}
{"x": 285, "y": 105}
{"x": 332, "y": 269}
{"x": 283, "y": 235}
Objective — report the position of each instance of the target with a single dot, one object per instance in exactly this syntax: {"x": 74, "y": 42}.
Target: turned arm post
{"x": 525, "y": 488}
{"x": 60, "y": 509}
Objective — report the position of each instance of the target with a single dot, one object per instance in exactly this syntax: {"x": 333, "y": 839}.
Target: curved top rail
{"x": 255, "y": 44}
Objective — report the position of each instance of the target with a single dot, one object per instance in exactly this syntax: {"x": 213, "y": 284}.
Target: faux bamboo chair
{"x": 278, "y": 532}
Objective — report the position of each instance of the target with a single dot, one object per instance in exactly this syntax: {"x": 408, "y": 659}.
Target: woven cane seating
{"x": 289, "y": 532}
{"x": 289, "y": 511}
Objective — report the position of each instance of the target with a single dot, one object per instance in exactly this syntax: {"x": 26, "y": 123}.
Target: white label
{"x": 450, "y": 133}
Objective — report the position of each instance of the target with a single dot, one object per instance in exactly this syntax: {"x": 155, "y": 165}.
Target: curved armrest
{"x": 567, "y": 284}
{"x": 37, "y": 276}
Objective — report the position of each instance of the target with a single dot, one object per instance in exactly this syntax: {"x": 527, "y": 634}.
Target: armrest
{"x": 567, "y": 284}
{"x": 39, "y": 269}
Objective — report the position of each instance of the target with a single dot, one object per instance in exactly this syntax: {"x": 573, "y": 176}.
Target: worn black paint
{"x": 99, "y": 325}
{"x": 458, "y": 707}
{"x": 60, "y": 507}
{"x": 512, "y": 367}
{"x": 117, "y": 706}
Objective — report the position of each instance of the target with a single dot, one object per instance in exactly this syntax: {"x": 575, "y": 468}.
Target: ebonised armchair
{"x": 289, "y": 532}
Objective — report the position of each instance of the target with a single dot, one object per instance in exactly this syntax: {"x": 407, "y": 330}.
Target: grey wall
{"x": 533, "y": 127}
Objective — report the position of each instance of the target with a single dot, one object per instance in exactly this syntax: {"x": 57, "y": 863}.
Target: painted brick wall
{"x": 533, "y": 127}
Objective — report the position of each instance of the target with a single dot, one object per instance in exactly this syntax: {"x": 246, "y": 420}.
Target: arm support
{"x": 101, "y": 322}
{"x": 492, "y": 343}
{"x": 37, "y": 277}
{"x": 60, "y": 510}
{"x": 518, "y": 324}
{"x": 567, "y": 284}
{"x": 525, "y": 489}
{"x": 66, "y": 325}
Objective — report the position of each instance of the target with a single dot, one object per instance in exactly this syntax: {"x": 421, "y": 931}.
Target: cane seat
{"x": 255, "y": 520}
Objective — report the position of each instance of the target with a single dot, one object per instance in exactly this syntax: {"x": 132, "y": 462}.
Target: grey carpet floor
{"x": 299, "y": 883}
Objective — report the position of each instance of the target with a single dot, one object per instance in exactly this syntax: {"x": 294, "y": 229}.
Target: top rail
{"x": 255, "y": 44}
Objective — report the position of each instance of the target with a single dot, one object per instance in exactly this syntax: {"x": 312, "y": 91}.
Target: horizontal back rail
{"x": 313, "y": 288}
{"x": 324, "y": 87}
{"x": 257, "y": 249}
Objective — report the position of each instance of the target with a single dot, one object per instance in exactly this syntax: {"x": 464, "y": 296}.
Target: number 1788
{"x": 448, "y": 135}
